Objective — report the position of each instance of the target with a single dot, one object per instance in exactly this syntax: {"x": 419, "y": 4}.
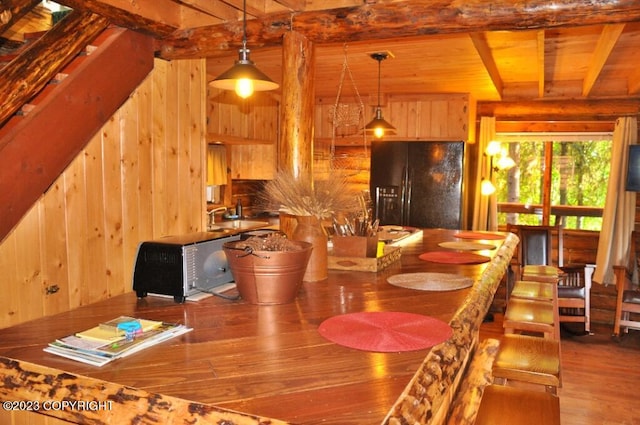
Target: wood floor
{"x": 601, "y": 377}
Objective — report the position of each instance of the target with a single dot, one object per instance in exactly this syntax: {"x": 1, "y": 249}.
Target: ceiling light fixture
{"x": 243, "y": 76}
{"x": 378, "y": 125}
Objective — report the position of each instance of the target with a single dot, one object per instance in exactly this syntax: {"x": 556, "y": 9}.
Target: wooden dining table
{"x": 268, "y": 362}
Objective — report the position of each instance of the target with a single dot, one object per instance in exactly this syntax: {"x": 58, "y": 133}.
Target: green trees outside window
{"x": 575, "y": 189}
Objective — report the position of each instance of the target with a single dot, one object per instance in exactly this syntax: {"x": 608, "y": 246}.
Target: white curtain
{"x": 485, "y": 209}
{"x": 619, "y": 209}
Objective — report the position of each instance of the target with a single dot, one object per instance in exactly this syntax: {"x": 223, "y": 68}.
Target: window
{"x": 556, "y": 179}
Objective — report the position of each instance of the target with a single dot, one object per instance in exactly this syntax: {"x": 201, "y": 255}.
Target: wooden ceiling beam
{"x": 633, "y": 83}
{"x": 540, "y": 62}
{"x": 560, "y": 110}
{"x": 479, "y": 41}
{"x": 608, "y": 39}
{"x": 252, "y": 8}
{"x": 218, "y": 10}
{"x": 398, "y": 19}
{"x": 297, "y": 5}
{"x": 154, "y": 26}
{"x": 555, "y": 126}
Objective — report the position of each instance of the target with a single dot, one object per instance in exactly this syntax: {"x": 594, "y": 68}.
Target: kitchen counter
{"x": 268, "y": 361}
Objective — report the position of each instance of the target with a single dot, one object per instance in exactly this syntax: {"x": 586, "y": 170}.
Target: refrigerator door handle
{"x": 407, "y": 205}
{"x": 405, "y": 200}
{"x": 377, "y": 197}
{"x": 403, "y": 196}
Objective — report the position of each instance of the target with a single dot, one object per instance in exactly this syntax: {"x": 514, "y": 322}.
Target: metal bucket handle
{"x": 248, "y": 251}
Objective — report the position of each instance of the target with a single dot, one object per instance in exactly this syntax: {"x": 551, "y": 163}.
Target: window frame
{"x": 545, "y": 210}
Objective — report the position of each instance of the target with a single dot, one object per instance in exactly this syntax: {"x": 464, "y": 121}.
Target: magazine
{"x": 109, "y": 341}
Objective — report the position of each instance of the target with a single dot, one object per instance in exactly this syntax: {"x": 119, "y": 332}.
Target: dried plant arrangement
{"x": 275, "y": 241}
{"x": 302, "y": 197}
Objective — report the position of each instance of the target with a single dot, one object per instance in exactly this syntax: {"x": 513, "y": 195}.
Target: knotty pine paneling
{"x": 140, "y": 177}
{"x": 252, "y": 162}
{"x": 252, "y": 128}
{"x": 439, "y": 117}
{"x": 254, "y": 118}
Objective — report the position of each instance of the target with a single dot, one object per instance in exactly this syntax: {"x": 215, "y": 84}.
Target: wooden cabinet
{"x": 249, "y": 129}
{"x": 441, "y": 117}
{"x": 433, "y": 117}
{"x": 253, "y": 162}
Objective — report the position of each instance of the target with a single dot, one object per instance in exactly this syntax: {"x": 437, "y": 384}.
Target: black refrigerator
{"x": 417, "y": 184}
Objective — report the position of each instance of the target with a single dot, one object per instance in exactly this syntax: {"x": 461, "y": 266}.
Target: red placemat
{"x": 478, "y": 235}
{"x": 453, "y": 257}
{"x": 385, "y": 331}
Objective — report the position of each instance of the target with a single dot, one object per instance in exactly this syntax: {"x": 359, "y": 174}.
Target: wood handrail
{"x": 557, "y": 210}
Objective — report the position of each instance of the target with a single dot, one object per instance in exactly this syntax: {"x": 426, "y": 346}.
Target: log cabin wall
{"x": 139, "y": 178}
{"x": 433, "y": 117}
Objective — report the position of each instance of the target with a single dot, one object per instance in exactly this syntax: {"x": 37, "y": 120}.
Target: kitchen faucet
{"x": 211, "y": 220}
{"x": 218, "y": 209}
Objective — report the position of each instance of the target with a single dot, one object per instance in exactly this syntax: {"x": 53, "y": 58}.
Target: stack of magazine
{"x": 114, "y": 339}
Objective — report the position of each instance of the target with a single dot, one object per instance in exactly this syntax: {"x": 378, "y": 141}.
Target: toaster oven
{"x": 181, "y": 266}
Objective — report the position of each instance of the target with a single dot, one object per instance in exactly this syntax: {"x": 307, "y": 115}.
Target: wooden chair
{"x": 502, "y": 405}
{"x": 535, "y": 249}
{"x": 531, "y": 316}
{"x": 536, "y": 244}
{"x": 529, "y": 358}
{"x": 628, "y": 298}
{"x": 574, "y": 281}
{"x": 574, "y": 294}
{"x": 533, "y": 290}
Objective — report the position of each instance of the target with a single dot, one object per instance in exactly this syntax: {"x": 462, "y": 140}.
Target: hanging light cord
{"x": 244, "y": 24}
{"x": 379, "y": 59}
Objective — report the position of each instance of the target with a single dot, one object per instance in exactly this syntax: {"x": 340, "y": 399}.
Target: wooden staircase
{"x": 57, "y": 97}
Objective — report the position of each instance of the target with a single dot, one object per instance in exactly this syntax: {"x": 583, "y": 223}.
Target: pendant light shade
{"x": 244, "y": 77}
{"x": 378, "y": 125}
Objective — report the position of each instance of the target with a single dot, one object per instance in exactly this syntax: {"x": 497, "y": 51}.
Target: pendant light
{"x": 378, "y": 125}
{"x": 243, "y": 76}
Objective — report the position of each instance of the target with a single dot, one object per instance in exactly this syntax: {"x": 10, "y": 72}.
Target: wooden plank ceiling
{"x": 501, "y": 50}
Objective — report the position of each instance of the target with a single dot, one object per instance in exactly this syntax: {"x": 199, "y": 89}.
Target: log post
{"x": 295, "y": 154}
{"x": 296, "y": 135}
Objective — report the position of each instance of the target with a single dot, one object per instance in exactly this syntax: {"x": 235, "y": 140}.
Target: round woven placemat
{"x": 466, "y": 246}
{"x": 385, "y": 331}
{"x": 430, "y": 281}
{"x": 478, "y": 235}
